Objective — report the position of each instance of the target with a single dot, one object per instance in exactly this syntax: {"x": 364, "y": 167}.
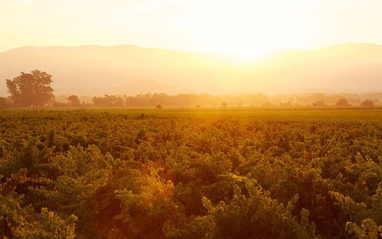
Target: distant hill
{"x": 342, "y": 68}
{"x": 130, "y": 70}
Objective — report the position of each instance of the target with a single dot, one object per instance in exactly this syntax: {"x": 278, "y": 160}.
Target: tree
{"x": 31, "y": 89}
{"x": 342, "y": 102}
{"x": 367, "y": 103}
{"x": 4, "y": 103}
{"x": 108, "y": 100}
{"x": 74, "y": 100}
{"x": 319, "y": 103}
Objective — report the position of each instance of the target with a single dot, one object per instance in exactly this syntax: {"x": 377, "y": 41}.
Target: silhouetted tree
{"x": 31, "y": 89}
{"x": 74, "y": 100}
{"x": 108, "y": 100}
{"x": 367, "y": 103}
{"x": 4, "y": 103}
{"x": 342, "y": 102}
{"x": 287, "y": 104}
{"x": 59, "y": 104}
{"x": 319, "y": 103}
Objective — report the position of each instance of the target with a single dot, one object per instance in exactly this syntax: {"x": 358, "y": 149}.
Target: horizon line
{"x": 2, "y": 50}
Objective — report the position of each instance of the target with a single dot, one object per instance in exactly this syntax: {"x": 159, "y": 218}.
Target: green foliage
{"x": 246, "y": 215}
{"x": 148, "y": 207}
{"x": 191, "y": 174}
{"x": 20, "y": 221}
{"x": 49, "y": 226}
{"x": 367, "y": 230}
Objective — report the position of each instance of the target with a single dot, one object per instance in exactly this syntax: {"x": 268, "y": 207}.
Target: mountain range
{"x": 129, "y": 70}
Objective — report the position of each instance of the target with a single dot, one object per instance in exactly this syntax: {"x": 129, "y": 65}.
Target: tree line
{"x": 34, "y": 90}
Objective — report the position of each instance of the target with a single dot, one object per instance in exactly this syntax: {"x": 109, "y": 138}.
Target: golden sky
{"x": 243, "y": 27}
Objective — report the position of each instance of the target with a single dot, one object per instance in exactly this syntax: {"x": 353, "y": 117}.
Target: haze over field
{"x": 129, "y": 70}
{"x": 209, "y": 46}
{"x": 184, "y": 119}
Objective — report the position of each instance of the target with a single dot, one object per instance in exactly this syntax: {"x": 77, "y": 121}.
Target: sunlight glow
{"x": 244, "y": 28}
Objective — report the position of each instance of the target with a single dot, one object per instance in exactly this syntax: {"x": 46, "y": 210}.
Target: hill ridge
{"x": 94, "y": 66}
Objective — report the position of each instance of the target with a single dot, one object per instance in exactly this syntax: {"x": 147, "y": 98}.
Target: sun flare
{"x": 245, "y": 28}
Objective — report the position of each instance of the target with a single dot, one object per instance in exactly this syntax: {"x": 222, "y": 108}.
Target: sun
{"x": 245, "y": 29}
{"x": 244, "y": 52}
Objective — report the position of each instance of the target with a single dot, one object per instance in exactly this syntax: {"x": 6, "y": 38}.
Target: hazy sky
{"x": 244, "y": 27}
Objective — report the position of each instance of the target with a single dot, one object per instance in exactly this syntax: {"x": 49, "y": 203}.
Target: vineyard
{"x": 191, "y": 173}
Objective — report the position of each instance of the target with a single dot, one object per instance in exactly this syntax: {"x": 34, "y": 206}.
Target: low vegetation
{"x": 194, "y": 173}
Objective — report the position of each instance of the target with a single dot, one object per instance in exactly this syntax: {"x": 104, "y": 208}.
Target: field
{"x": 191, "y": 173}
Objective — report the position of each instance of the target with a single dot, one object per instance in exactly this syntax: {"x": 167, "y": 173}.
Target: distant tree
{"x": 74, "y": 100}
{"x": 57, "y": 104}
{"x": 108, "y": 100}
{"x": 224, "y": 104}
{"x": 367, "y": 103}
{"x": 198, "y": 106}
{"x": 159, "y": 106}
{"x": 31, "y": 89}
{"x": 342, "y": 102}
{"x": 4, "y": 103}
{"x": 97, "y": 101}
{"x": 266, "y": 104}
{"x": 319, "y": 103}
{"x": 287, "y": 104}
